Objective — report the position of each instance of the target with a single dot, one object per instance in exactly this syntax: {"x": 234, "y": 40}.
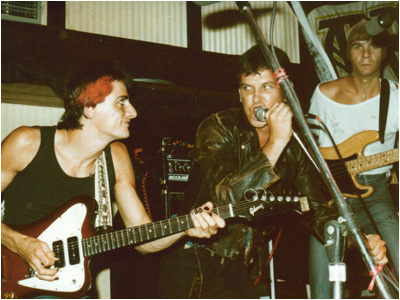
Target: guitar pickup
{"x": 58, "y": 249}
{"x": 73, "y": 250}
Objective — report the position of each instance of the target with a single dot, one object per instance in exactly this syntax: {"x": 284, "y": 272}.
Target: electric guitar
{"x": 69, "y": 233}
{"x": 351, "y": 151}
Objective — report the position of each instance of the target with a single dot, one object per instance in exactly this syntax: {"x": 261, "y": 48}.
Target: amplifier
{"x": 176, "y": 169}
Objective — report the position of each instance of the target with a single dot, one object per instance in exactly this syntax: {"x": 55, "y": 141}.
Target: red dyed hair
{"x": 95, "y": 92}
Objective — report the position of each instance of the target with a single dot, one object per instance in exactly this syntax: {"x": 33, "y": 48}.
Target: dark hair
{"x": 253, "y": 61}
{"x": 359, "y": 33}
{"x": 79, "y": 79}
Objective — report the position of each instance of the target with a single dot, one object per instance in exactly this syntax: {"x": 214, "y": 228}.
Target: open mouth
{"x": 258, "y": 114}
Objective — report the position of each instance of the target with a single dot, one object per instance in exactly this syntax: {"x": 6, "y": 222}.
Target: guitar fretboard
{"x": 146, "y": 232}
{"x": 371, "y": 162}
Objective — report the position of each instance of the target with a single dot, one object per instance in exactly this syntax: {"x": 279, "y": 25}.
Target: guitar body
{"x": 63, "y": 231}
{"x": 352, "y": 151}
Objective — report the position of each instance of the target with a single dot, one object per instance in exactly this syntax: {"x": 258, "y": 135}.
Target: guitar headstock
{"x": 262, "y": 202}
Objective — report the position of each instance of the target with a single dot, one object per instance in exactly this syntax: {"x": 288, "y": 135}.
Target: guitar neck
{"x": 371, "y": 162}
{"x": 143, "y": 233}
{"x": 146, "y": 232}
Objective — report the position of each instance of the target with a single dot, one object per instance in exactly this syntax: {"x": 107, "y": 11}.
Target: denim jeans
{"x": 185, "y": 274}
{"x": 385, "y": 223}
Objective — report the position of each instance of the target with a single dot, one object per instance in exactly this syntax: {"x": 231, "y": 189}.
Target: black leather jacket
{"x": 227, "y": 160}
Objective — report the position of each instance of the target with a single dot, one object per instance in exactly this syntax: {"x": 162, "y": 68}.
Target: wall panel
{"x": 15, "y": 115}
{"x": 161, "y": 22}
{"x": 236, "y": 38}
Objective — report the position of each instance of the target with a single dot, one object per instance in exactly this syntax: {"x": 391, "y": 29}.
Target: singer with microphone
{"x": 235, "y": 150}
{"x": 349, "y": 106}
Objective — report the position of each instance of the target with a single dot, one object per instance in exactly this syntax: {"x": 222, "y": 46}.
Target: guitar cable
{"x": 389, "y": 277}
{"x": 143, "y": 182}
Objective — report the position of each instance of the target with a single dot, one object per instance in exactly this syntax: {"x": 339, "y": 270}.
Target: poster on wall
{"x": 326, "y": 25}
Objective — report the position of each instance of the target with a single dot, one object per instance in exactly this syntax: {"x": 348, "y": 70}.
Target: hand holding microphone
{"x": 278, "y": 118}
{"x": 260, "y": 114}
{"x": 278, "y": 130}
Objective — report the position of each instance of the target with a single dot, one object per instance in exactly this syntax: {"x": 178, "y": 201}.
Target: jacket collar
{"x": 246, "y": 131}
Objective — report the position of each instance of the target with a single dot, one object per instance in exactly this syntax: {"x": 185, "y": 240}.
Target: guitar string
{"x": 376, "y": 161}
{"x": 143, "y": 230}
{"x": 382, "y": 157}
{"x": 157, "y": 226}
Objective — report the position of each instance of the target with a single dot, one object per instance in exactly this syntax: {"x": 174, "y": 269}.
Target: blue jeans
{"x": 385, "y": 223}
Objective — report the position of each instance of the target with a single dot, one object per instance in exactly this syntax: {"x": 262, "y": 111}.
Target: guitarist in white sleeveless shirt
{"x": 348, "y": 106}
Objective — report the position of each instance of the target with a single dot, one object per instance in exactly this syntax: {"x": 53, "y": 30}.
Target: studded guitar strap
{"x": 103, "y": 221}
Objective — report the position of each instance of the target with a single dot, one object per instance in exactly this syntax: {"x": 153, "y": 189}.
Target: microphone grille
{"x": 259, "y": 113}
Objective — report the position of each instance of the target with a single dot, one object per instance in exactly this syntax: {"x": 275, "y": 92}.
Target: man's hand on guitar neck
{"x": 206, "y": 223}
{"x": 35, "y": 253}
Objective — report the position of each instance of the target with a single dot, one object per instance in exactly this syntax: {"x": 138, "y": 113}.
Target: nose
{"x": 130, "y": 111}
{"x": 258, "y": 95}
{"x": 366, "y": 52}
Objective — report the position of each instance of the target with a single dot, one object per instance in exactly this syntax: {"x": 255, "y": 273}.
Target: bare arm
{"x": 134, "y": 214}
{"x": 17, "y": 151}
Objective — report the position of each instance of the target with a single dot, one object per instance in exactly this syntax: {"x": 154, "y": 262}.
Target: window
{"x": 22, "y": 11}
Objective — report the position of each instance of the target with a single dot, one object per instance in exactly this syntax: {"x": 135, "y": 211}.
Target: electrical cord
{"x": 143, "y": 182}
{"x": 275, "y": 245}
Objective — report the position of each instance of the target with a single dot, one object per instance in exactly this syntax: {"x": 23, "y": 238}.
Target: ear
{"x": 88, "y": 112}
{"x": 240, "y": 97}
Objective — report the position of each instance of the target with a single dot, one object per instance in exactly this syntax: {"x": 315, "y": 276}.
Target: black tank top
{"x": 43, "y": 186}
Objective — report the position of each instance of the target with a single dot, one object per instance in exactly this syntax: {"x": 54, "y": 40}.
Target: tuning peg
{"x": 262, "y": 194}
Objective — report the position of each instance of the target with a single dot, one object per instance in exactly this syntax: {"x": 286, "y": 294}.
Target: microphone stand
{"x": 346, "y": 215}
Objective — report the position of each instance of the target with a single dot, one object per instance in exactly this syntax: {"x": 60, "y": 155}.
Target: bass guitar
{"x": 351, "y": 151}
{"x": 69, "y": 233}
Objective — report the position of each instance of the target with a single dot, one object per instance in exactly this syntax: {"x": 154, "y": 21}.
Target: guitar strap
{"x": 103, "y": 219}
{"x": 383, "y": 108}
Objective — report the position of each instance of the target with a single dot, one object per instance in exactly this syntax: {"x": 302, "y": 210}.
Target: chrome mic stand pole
{"x": 344, "y": 210}
{"x": 335, "y": 244}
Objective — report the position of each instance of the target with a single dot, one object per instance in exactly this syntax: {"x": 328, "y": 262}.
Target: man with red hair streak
{"x": 44, "y": 167}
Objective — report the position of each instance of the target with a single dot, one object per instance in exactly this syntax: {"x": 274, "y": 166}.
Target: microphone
{"x": 259, "y": 113}
{"x": 380, "y": 23}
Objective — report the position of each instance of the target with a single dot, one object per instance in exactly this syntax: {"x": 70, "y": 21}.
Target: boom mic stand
{"x": 346, "y": 215}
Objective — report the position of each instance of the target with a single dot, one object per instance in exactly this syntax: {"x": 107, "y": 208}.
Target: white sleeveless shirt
{"x": 345, "y": 120}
